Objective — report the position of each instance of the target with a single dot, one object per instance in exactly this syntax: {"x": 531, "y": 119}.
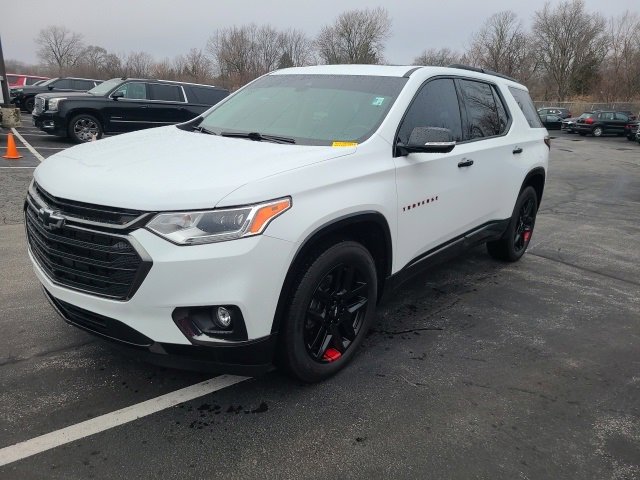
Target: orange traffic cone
{"x": 12, "y": 151}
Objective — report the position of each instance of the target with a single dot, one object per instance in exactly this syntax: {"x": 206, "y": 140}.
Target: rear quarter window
{"x": 523, "y": 100}
{"x": 166, "y": 93}
{"x": 206, "y": 95}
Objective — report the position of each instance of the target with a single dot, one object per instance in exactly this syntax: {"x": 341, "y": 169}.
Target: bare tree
{"x": 441, "y": 57}
{"x": 59, "y": 47}
{"x": 139, "y": 64}
{"x": 233, "y": 53}
{"x": 620, "y": 75}
{"x": 571, "y": 44}
{"x": 296, "y": 49}
{"x": 500, "y": 45}
{"x": 92, "y": 61}
{"x": 357, "y": 36}
{"x": 194, "y": 66}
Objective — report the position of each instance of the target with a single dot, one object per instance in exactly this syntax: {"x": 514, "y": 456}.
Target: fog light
{"x": 223, "y": 317}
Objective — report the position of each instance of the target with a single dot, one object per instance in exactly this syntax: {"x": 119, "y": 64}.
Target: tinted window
{"x": 134, "y": 90}
{"x": 482, "y": 111}
{"x": 503, "y": 116}
{"x": 622, "y": 116}
{"x": 81, "y": 84}
{"x": 436, "y": 105}
{"x": 606, "y": 116}
{"x": 32, "y": 80}
{"x": 206, "y": 95}
{"x": 523, "y": 100}
{"x": 167, "y": 93}
{"x": 63, "y": 83}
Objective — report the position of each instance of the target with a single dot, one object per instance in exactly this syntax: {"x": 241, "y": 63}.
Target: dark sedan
{"x": 551, "y": 122}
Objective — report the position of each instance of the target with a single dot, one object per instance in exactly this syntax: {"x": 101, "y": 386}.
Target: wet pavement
{"x": 475, "y": 369}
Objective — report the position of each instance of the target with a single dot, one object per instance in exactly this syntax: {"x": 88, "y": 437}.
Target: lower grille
{"x": 99, "y": 324}
{"x": 95, "y": 262}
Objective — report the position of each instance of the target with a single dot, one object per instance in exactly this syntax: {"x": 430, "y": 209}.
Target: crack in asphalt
{"x": 585, "y": 269}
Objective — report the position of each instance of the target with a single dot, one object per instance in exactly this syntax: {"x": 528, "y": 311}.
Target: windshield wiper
{"x": 259, "y": 137}
{"x": 204, "y": 130}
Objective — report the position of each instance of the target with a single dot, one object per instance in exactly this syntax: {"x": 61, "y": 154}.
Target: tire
{"x": 331, "y": 309}
{"x": 82, "y": 128}
{"x": 597, "y": 132}
{"x": 516, "y": 238}
{"x": 29, "y": 104}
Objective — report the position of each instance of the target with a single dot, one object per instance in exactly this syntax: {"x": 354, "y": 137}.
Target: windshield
{"x": 47, "y": 82}
{"x": 310, "y": 109}
{"x": 105, "y": 87}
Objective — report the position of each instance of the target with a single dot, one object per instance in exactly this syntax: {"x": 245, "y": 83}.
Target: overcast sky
{"x": 166, "y": 28}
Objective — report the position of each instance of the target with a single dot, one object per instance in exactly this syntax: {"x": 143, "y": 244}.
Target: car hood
{"x": 54, "y": 94}
{"x": 168, "y": 168}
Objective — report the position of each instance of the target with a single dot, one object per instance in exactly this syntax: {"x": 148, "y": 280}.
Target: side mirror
{"x": 118, "y": 95}
{"x": 428, "y": 140}
{"x": 50, "y": 87}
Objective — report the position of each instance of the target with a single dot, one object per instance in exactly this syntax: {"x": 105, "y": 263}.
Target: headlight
{"x": 193, "y": 228}
{"x": 53, "y": 103}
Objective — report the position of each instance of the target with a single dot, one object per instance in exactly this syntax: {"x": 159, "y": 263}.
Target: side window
{"x": 622, "y": 116}
{"x": 608, "y": 116}
{"x": 134, "y": 90}
{"x": 482, "y": 111}
{"x": 63, "y": 83}
{"x": 167, "y": 93}
{"x": 81, "y": 84}
{"x": 32, "y": 80}
{"x": 523, "y": 100}
{"x": 503, "y": 116}
{"x": 436, "y": 105}
{"x": 206, "y": 95}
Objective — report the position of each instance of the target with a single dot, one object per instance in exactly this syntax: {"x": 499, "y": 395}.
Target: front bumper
{"x": 50, "y": 122}
{"x": 247, "y": 273}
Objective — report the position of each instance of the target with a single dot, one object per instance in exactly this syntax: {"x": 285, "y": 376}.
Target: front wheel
{"x": 29, "y": 104}
{"x": 516, "y": 239}
{"x": 84, "y": 128}
{"x": 332, "y": 308}
{"x": 597, "y": 132}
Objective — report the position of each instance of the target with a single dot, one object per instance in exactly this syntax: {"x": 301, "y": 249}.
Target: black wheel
{"x": 516, "y": 239}
{"x": 84, "y": 128}
{"x": 331, "y": 309}
{"x": 597, "y": 132}
{"x": 29, "y": 104}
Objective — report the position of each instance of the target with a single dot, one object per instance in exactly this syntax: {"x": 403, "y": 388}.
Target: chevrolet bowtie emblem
{"x": 51, "y": 220}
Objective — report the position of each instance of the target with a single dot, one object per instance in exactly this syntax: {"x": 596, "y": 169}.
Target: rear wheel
{"x": 516, "y": 239}
{"x": 597, "y": 132}
{"x": 84, "y": 128}
{"x": 331, "y": 310}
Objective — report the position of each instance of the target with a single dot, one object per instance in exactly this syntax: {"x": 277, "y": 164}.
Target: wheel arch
{"x": 535, "y": 178}
{"x": 87, "y": 110}
{"x": 369, "y": 228}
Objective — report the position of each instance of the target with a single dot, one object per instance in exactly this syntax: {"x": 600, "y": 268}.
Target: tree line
{"x": 567, "y": 52}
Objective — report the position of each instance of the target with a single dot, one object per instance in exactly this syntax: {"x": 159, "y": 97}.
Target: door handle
{"x": 466, "y": 162}
{"x": 517, "y": 150}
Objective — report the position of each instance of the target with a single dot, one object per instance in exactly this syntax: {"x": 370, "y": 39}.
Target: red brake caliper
{"x": 526, "y": 235}
{"x": 331, "y": 355}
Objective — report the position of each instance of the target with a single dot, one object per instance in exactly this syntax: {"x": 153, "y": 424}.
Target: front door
{"x": 131, "y": 111}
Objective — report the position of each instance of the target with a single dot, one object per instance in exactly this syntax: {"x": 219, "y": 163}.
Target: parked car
{"x": 267, "y": 228}
{"x": 632, "y": 116}
{"x": 122, "y": 105}
{"x": 569, "y": 124}
{"x": 638, "y": 134}
{"x": 24, "y": 97}
{"x": 17, "y": 80}
{"x": 551, "y": 121}
{"x": 561, "y": 112}
{"x": 602, "y": 122}
{"x": 630, "y": 130}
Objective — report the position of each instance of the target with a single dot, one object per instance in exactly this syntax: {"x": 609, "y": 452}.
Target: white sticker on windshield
{"x": 377, "y": 101}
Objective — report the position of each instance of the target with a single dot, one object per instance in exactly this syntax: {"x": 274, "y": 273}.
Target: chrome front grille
{"x": 39, "y": 104}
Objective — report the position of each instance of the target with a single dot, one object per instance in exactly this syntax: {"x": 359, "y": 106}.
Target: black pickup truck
{"x": 24, "y": 97}
{"x": 122, "y": 105}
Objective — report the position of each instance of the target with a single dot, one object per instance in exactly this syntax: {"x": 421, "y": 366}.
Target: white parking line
{"x": 104, "y": 422}
{"x": 48, "y": 148}
{"x": 26, "y": 144}
{"x": 13, "y": 168}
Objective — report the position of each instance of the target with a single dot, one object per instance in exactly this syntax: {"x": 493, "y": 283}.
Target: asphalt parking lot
{"x": 476, "y": 369}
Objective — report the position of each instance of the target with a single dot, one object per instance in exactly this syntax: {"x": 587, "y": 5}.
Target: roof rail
{"x": 482, "y": 70}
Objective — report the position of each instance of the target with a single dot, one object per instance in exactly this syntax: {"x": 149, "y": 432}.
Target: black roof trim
{"x": 408, "y": 74}
{"x": 482, "y": 70}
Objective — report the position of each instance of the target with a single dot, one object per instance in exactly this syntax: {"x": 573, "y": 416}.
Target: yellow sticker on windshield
{"x": 344, "y": 144}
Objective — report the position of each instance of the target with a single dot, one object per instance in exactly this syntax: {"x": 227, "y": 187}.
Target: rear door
{"x": 619, "y": 122}
{"x": 167, "y": 104}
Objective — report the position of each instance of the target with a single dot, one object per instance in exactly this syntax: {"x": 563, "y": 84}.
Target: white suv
{"x": 267, "y": 228}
